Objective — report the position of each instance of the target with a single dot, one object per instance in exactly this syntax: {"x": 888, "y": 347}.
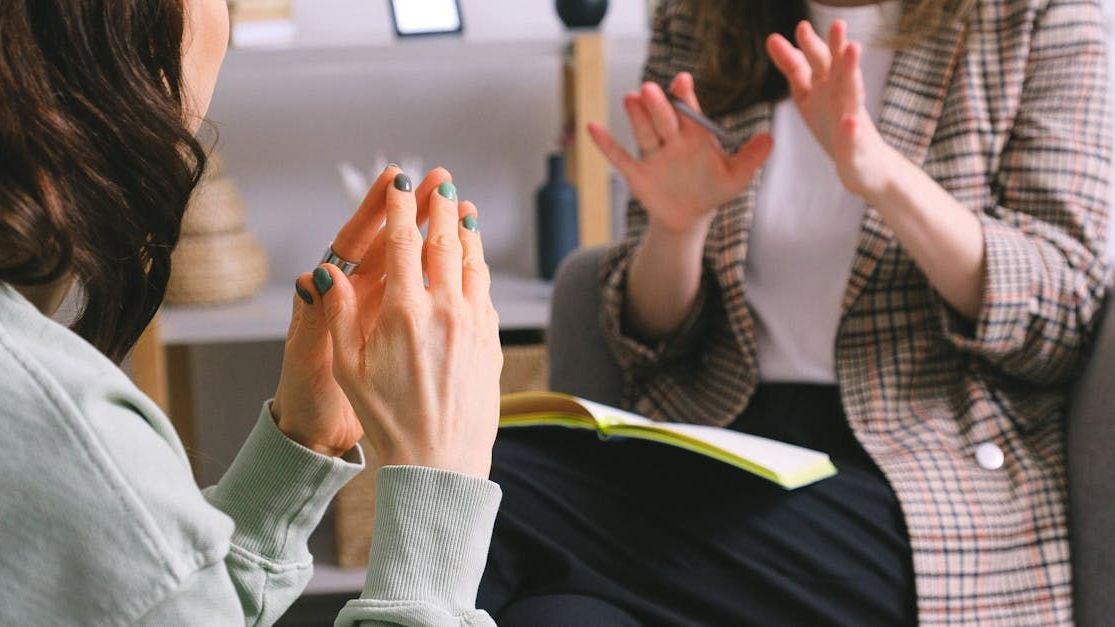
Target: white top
{"x": 806, "y": 226}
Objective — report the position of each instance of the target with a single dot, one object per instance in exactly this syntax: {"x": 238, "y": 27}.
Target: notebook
{"x": 785, "y": 464}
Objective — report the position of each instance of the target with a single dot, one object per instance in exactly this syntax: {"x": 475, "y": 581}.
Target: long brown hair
{"x": 97, "y": 162}
{"x": 735, "y": 69}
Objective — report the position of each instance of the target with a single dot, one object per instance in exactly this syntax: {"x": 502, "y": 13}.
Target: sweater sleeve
{"x": 276, "y": 493}
{"x": 429, "y": 549}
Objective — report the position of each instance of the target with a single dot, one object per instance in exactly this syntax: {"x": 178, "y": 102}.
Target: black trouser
{"x": 626, "y": 532}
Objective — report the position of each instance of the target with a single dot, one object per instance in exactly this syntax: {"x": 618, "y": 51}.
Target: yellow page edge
{"x": 806, "y": 476}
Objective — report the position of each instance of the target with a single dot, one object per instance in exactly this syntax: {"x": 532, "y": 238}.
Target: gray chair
{"x": 581, "y": 364}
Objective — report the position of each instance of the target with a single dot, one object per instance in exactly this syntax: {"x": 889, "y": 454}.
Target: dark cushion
{"x": 1091, "y": 456}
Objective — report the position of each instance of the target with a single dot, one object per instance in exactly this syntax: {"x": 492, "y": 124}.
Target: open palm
{"x": 826, "y": 84}
{"x": 683, "y": 175}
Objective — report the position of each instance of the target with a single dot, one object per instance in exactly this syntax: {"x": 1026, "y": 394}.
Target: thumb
{"x": 307, "y": 326}
{"x": 338, "y": 305}
{"x": 743, "y": 165}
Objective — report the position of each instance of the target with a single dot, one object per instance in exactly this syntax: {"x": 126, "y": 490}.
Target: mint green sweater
{"x": 101, "y": 522}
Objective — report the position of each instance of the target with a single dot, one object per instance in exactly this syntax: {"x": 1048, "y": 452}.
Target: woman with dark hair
{"x": 396, "y": 339}
{"x": 906, "y": 278}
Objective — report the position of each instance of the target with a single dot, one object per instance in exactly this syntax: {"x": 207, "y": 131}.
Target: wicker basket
{"x": 526, "y": 369}
{"x": 216, "y": 269}
{"x": 216, "y": 207}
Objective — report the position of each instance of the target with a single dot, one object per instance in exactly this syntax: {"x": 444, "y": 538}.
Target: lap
{"x": 675, "y": 538}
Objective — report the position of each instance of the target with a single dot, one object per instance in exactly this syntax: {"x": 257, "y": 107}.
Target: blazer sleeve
{"x": 1045, "y": 274}
{"x": 632, "y": 352}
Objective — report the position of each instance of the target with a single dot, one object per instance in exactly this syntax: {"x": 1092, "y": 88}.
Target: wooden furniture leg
{"x": 163, "y": 373}
{"x": 586, "y": 100}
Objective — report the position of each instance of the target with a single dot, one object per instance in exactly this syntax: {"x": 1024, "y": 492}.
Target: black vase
{"x": 558, "y": 230}
{"x": 582, "y": 13}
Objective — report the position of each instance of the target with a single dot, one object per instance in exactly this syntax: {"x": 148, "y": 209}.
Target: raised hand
{"x": 420, "y": 364}
{"x": 826, "y": 84}
{"x": 309, "y": 406}
{"x": 682, "y": 175}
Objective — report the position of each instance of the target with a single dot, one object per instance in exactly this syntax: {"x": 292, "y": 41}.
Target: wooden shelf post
{"x": 586, "y": 100}
{"x": 163, "y": 373}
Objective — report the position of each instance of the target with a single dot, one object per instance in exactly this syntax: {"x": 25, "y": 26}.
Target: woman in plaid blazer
{"x": 937, "y": 356}
{"x": 976, "y": 282}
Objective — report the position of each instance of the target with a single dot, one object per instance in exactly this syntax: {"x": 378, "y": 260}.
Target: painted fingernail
{"x": 402, "y": 182}
{"x": 471, "y": 223}
{"x": 323, "y": 281}
{"x": 447, "y": 190}
{"x": 303, "y": 294}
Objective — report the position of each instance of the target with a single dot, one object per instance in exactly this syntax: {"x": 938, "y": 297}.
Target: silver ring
{"x": 346, "y": 266}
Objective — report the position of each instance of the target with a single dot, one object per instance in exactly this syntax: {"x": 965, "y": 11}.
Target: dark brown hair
{"x": 97, "y": 162}
{"x": 736, "y": 71}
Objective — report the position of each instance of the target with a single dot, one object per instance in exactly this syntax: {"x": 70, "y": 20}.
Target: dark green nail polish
{"x": 303, "y": 294}
{"x": 471, "y": 224}
{"x": 323, "y": 281}
{"x": 402, "y": 182}
{"x": 447, "y": 190}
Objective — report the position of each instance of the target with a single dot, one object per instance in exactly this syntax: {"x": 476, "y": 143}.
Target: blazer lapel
{"x": 913, "y": 100}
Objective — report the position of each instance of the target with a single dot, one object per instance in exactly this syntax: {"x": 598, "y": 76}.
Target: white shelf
{"x": 523, "y": 304}
{"x": 313, "y": 56}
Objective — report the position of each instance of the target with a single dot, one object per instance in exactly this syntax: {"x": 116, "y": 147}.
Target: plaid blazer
{"x": 1009, "y": 113}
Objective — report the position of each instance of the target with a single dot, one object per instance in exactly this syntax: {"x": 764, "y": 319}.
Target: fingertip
{"x": 468, "y": 208}
{"x": 303, "y": 285}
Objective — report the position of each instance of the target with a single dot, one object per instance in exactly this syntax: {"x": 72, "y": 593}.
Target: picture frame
{"x": 424, "y": 18}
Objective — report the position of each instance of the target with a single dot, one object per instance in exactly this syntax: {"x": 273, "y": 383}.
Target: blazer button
{"x": 989, "y": 456}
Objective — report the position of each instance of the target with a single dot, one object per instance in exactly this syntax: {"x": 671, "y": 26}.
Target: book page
{"x": 607, "y": 416}
{"x": 780, "y": 458}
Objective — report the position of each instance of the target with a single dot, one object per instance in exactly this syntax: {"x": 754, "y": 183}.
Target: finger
{"x": 339, "y": 310}
{"x": 476, "y": 276}
{"x": 685, "y": 88}
{"x": 815, "y": 50}
{"x": 746, "y": 162}
{"x": 662, "y": 114}
{"x": 433, "y": 179}
{"x": 443, "y": 250}
{"x": 307, "y": 324}
{"x": 403, "y": 246}
{"x": 373, "y": 264}
{"x": 646, "y": 138}
{"x": 791, "y": 62}
{"x": 851, "y": 80}
{"x": 357, "y": 234}
{"x": 838, "y": 38}
{"x": 613, "y": 152}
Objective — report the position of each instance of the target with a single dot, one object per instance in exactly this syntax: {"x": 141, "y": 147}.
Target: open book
{"x": 785, "y": 464}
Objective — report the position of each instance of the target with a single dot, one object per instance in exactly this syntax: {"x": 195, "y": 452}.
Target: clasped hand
{"x": 413, "y": 365}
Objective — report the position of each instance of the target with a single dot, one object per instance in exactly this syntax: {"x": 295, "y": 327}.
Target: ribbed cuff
{"x": 277, "y": 491}
{"x": 432, "y": 533}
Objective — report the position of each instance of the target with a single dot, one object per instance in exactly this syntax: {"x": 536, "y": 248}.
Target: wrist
{"x": 887, "y": 179}
{"x": 674, "y": 240}
{"x": 290, "y": 429}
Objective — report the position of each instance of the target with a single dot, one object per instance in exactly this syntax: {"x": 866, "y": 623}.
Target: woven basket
{"x": 526, "y": 369}
{"x": 216, "y": 269}
{"x": 216, "y": 207}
